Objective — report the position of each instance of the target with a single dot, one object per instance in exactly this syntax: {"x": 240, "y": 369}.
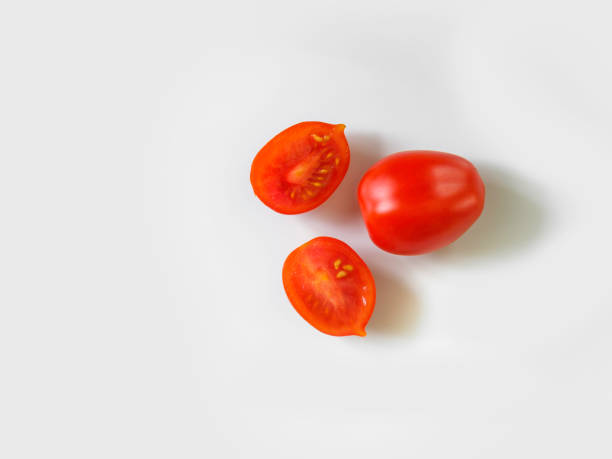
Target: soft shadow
{"x": 514, "y": 217}
{"x": 397, "y": 309}
{"x": 342, "y": 206}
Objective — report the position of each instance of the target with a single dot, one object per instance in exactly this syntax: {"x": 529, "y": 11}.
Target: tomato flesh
{"x": 301, "y": 167}
{"x": 330, "y": 286}
{"x": 415, "y": 202}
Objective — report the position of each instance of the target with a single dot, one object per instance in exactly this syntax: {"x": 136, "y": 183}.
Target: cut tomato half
{"x": 330, "y": 286}
{"x": 301, "y": 167}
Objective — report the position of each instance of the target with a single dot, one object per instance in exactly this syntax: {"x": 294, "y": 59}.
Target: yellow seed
{"x": 341, "y": 274}
{"x": 292, "y": 194}
{"x": 326, "y": 137}
{"x": 329, "y": 155}
{"x": 337, "y": 263}
{"x": 309, "y": 192}
{"x": 337, "y": 161}
{"x": 348, "y": 267}
{"x": 317, "y": 184}
{"x": 317, "y": 138}
{"x": 322, "y": 171}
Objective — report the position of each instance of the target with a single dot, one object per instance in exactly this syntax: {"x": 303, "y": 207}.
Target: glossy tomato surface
{"x": 330, "y": 286}
{"x": 301, "y": 167}
{"x": 415, "y": 202}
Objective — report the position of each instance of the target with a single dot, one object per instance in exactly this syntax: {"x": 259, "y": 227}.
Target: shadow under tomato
{"x": 397, "y": 309}
{"x": 513, "y": 218}
{"x": 342, "y": 205}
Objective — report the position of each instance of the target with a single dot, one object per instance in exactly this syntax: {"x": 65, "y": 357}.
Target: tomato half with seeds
{"x": 301, "y": 167}
{"x": 330, "y": 286}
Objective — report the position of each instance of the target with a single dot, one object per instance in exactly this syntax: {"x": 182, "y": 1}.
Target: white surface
{"x": 142, "y": 311}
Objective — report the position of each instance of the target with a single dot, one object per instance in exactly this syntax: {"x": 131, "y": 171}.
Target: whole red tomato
{"x": 415, "y": 202}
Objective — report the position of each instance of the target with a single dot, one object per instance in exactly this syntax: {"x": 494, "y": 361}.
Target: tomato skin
{"x": 414, "y": 202}
{"x": 300, "y": 168}
{"x": 330, "y": 286}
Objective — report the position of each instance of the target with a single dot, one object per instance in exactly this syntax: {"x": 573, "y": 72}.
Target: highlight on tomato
{"x": 330, "y": 286}
{"x": 301, "y": 167}
{"x": 414, "y": 202}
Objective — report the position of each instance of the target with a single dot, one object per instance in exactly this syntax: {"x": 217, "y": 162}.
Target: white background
{"x": 141, "y": 307}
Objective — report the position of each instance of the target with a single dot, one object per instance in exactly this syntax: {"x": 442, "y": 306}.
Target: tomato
{"x": 301, "y": 167}
{"x": 330, "y": 286}
{"x": 414, "y": 202}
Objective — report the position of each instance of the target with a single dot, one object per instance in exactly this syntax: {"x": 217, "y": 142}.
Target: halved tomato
{"x": 301, "y": 167}
{"x": 330, "y": 286}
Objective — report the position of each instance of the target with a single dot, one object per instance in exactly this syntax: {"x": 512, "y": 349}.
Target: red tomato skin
{"x": 287, "y": 150}
{"x": 334, "y": 306}
{"x": 415, "y": 202}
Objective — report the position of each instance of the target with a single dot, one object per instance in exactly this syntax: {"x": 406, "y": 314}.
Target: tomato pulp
{"x": 415, "y": 202}
{"x": 301, "y": 167}
{"x": 330, "y": 286}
